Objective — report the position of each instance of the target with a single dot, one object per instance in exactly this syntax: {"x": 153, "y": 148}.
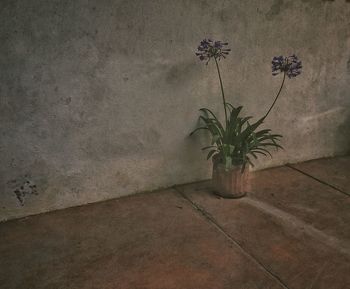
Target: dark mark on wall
{"x": 275, "y": 9}
{"x": 23, "y": 189}
{"x": 348, "y": 63}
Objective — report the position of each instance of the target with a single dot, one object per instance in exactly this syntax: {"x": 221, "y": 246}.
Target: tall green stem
{"x": 222, "y": 91}
{"x": 278, "y": 94}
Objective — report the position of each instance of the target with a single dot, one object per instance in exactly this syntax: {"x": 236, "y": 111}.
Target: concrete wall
{"x": 98, "y": 97}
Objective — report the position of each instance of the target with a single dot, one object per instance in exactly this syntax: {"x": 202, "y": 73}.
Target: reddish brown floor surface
{"x": 332, "y": 171}
{"x": 290, "y": 231}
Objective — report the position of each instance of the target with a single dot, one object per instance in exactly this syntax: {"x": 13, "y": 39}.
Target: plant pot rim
{"x": 221, "y": 166}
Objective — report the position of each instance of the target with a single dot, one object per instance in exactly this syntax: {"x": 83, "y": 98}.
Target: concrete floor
{"x": 291, "y": 231}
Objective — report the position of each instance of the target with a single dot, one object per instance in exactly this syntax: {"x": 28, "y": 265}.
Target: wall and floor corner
{"x": 97, "y": 98}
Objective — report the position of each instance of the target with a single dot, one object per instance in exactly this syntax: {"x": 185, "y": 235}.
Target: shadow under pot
{"x": 230, "y": 183}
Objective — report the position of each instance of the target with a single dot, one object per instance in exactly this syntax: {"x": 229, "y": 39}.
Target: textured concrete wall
{"x": 98, "y": 97}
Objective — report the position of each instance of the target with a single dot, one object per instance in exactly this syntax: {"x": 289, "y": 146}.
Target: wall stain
{"x": 315, "y": 3}
{"x": 275, "y": 9}
{"x": 23, "y": 188}
{"x": 278, "y": 5}
{"x": 180, "y": 73}
{"x": 123, "y": 179}
{"x": 68, "y": 100}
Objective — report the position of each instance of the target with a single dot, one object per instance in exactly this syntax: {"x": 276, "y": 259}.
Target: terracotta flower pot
{"x": 230, "y": 183}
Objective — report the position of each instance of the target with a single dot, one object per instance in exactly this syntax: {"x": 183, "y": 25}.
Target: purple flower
{"x": 290, "y": 65}
{"x": 208, "y": 49}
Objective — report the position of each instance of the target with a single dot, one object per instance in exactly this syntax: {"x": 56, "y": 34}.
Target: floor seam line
{"x": 214, "y": 223}
{"x": 317, "y": 179}
{"x": 282, "y": 217}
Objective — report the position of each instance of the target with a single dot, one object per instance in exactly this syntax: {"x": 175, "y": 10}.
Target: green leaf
{"x": 210, "y": 154}
{"x": 215, "y": 139}
{"x": 228, "y": 162}
{"x": 262, "y": 132}
{"x": 263, "y": 150}
{"x": 197, "y": 129}
{"x": 251, "y": 128}
{"x": 253, "y": 154}
{"x": 235, "y": 112}
{"x": 258, "y": 152}
{"x": 206, "y": 111}
{"x": 229, "y": 106}
{"x": 231, "y": 149}
{"x": 271, "y": 144}
{"x": 208, "y": 147}
{"x": 249, "y": 161}
{"x": 212, "y": 126}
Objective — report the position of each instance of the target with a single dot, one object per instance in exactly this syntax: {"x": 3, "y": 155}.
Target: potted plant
{"x": 237, "y": 140}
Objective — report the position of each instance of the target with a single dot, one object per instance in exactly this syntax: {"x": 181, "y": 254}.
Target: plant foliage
{"x": 237, "y": 141}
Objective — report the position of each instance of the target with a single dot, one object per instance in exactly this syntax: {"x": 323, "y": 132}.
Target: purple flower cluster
{"x": 208, "y": 49}
{"x": 289, "y": 65}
